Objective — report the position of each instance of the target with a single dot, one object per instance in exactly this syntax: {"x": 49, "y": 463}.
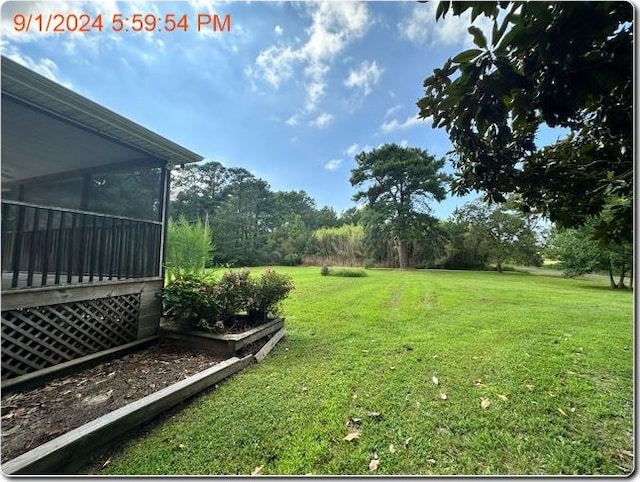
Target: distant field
{"x": 534, "y": 376}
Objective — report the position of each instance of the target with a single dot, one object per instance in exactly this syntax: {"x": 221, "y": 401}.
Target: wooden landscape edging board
{"x": 257, "y": 333}
{"x": 266, "y": 349}
{"x": 51, "y": 456}
{"x": 227, "y": 344}
{"x": 40, "y": 377}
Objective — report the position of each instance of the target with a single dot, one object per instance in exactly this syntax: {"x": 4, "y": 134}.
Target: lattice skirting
{"x": 43, "y": 336}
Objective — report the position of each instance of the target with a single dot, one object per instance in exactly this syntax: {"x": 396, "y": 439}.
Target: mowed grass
{"x": 553, "y": 357}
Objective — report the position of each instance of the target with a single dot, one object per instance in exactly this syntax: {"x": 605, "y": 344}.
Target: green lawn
{"x": 553, "y": 357}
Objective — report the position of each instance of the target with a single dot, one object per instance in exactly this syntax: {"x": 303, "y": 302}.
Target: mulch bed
{"x": 33, "y": 417}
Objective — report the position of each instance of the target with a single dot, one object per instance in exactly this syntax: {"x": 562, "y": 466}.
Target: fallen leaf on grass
{"x": 106, "y": 462}
{"x": 375, "y": 415}
{"x": 354, "y": 422}
{"x": 373, "y": 464}
{"x": 503, "y": 397}
{"x": 485, "y": 403}
{"x": 572, "y": 409}
{"x": 431, "y": 461}
{"x": 443, "y": 396}
{"x": 257, "y": 470}
{"x": 478, "y": 383}
{"x": 435, "y": 380}
{"x": 562, "y": 412}
{"x": 406, "y": 442}
{"x": 352, "y": 436}
{"x": 530, "y": 387}
{"x": 392, "y": 449}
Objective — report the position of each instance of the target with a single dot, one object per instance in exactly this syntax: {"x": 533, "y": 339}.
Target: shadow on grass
{"x": 606, "y": 288}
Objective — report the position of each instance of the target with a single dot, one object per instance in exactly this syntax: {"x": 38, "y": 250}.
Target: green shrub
{"x": 198, "y": 302}
{"x": 347, "y": 273}
{"x": 190, "y": 299}
{"x": 267, "y": 293}
{"x": 324, "y": 271}
{"x": 233, "y": 289}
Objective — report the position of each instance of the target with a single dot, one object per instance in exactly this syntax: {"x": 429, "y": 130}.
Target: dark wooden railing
{"x": 51, "y": 246}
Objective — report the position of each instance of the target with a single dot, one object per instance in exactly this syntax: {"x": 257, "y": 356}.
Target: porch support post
{"x": 164, "y": 215}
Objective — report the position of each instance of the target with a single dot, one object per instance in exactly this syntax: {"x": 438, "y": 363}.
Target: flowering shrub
{"x": 266, "y": 295}
{"x": 199, "y": 303}
{"x": 232, "y": 291}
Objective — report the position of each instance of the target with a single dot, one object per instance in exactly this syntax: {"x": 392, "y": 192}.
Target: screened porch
{"x": 84, "y": 215}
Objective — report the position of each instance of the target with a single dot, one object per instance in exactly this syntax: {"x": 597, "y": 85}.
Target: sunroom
{"x": 84, "y": 216}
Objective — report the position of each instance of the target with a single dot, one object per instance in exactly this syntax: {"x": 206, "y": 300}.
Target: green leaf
{"x": 443, "y": 8}
{"x": 460, "y": 7}
{"x": 478, "y": 37}
{"x": 475, "y": 11}
{"x": 498, "y": 32}
{"x": 467, "y": 56}
{"x": 512, "y": 38}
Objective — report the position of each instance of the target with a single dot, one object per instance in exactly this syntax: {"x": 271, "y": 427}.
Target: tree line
{"x": 248, "y": 224}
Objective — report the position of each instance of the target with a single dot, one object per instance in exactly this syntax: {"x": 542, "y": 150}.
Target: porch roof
{"x": 51, "y": 131}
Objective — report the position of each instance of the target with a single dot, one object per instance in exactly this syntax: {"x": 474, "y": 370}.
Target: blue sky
{"x": 292, "y": 92}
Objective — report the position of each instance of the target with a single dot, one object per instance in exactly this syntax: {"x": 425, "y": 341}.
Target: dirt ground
{"x": 33, "y": 417}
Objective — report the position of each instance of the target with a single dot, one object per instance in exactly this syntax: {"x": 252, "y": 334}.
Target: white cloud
{"x": 204, "y": 6}
{"x": 276, "y": 64}
{"x": 392, "y": 110}
{"x": 333, "y": 26}
{"x": 315, "y": 93}
{"x": 292, "y": 121}
{"x": 323, "y": 120}
{"x": 333, "y": 165}
{"x": 365, "y": 77}
{"x": 395, "y": 125}
{"x": 404, "y": 143}
{"x": 352, "y": 150}
{"x": 278, "y": 30}
{"x": 421, "y": 27}
{"x": 416, "y": 27}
